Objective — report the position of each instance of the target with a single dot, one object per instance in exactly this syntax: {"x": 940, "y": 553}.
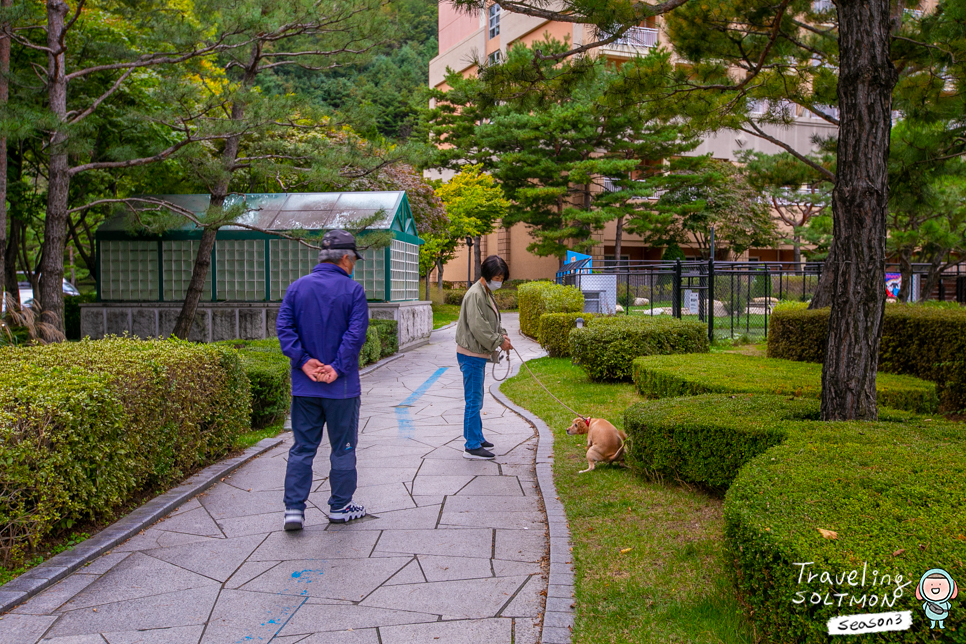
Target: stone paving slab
{"x": 455, "y": 550}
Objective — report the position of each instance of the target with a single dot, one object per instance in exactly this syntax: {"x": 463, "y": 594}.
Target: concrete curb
{"x": 382, "y": 363}
{"x": 47, "y": 574}
{"x": 558, "y": 617}
{"x": 443, "y": 328}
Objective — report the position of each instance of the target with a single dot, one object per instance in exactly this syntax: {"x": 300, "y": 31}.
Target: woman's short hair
{"x": 493, "y": 266}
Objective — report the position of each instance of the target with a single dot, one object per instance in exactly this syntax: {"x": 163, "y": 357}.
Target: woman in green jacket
{"x": 479, "y": 337}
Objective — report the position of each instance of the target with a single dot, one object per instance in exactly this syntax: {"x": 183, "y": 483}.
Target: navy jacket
{"x": 324, "y": 316}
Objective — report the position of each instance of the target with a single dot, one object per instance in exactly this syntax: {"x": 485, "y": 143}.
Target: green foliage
{"x": 555, "y": 331}
{"x": 388, "y": 336}
{"x": 923, "y": 341}
{"x": 731, "y": 373}
{"x": 86, "y": 425}
{"x": 789, "y": 475}
{"x": 372, "y": 348}
{"x": 537, "y": 298}
{"x": 269, "y": 374}
{"x": 606, "y": 348}
{"x": 455, "y": 297}
{"x": 72, "y": 313}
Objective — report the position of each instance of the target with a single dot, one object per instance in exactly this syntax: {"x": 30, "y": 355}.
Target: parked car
{"x": 27, "y": 293}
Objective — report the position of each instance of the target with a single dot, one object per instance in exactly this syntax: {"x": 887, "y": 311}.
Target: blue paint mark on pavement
{"x": 405, "y": 421}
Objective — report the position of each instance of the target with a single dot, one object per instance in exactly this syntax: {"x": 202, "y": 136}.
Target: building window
{"x": 494, "y": 58}
{"x": 494, "y": 20}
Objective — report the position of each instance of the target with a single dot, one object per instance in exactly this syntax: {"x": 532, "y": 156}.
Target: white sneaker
{"x": 348, "y": 513}
{"x": 294, "y": 519}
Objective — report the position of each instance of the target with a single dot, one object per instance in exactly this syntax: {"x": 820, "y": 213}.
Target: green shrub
{"x": 537, "y": 298}
{"x": 607, "y": 346}
{"x": 372, "y": 348}
{"x": 893, "y": 492}
{"x": 454, "y": 297}
{"x": 555, "y": 331}
{"x": 506, "y": 300}
{"x": 72, "y": 313}
{"x": 85, "y": 426}
{"x": 720, "y": 373}
{"x": 922, "y": 341}
{"x": 388, "y": 336}
{"x": 269, "y": 374}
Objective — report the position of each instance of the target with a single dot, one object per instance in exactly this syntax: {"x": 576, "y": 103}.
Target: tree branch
{"x": 757, "y": 131}
{"x": 100, "y": 99}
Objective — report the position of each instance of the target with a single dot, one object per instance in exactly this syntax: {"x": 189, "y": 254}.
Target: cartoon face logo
{"x": 936, "y": 589}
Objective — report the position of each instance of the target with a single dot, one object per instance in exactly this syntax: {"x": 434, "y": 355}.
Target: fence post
{"x": 711, "y": 299}
{"x": 676, "y": 290}
{"x": 767, "y": 297}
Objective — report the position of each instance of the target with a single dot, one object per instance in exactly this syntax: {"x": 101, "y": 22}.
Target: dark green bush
{"x": 506, "y": 300}
{"x": 388, "y": 336}
{"x": 555, "y": 331}
{"x": 893, "y": 492}
{"x": 454, "y": 297}
{"x": 72, "y": 313}
{"x": 372, "y": 348}
{"x": 923, "y": 341}
{"x": 269, "y": 374}
{"x": 606, "y": 348}
{"x": 720, "y": 373}
{"x": 537, "y": 298}
{"x": 85, "y": 426}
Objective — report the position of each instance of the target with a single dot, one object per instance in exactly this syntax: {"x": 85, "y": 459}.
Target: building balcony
{"x": 635, "y": 41}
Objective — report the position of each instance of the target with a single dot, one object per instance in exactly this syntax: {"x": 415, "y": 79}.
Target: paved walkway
{"x": 456, "y": 551}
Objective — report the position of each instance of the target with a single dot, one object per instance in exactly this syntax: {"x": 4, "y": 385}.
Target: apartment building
{"x": 465, "y": 38}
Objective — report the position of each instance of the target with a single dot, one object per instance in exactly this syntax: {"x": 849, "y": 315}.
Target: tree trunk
{"x": 10, "y": 261}
{"x": 4, "y": 97}
{"x": 477, "y": 258}
{"x": 428, "y": 272}
{"x": 469, "y": 262}
{"x": 856, "y": 262}
{"x": 182, "y": 327}
{"x": 933, "y": 276}
{"x": 216, "y": 203}
{"x": 905, "y": 270}
{"x": 618, "y": 240}
{"x": 797, "y": 243}
{"x": 439, "y": 276}
{"x": 55, "y": 224}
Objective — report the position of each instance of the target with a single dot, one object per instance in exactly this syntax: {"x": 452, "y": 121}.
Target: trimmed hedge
{"x": 454, "y": 297}
{"x": 607, "y": 346}
{"x": 269, "y": 374}
{"x": 537, "y": 298}
{"x": 923, "y": 341}
{"x": 893, "y": 491}
{"x": 555, "y": 331}
{"x": 388, "y": 336}
{"x": 689, "y": 375}
{"x": 372, "y": 348}
{"x": 85, "y": 426}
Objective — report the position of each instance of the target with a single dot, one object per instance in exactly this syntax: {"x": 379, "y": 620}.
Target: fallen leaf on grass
{"x": 898, "y": 552}
{"x": 624, "y": 551}
{"x": 828, "y": 534}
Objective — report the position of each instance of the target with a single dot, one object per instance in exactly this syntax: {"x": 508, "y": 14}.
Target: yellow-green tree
{"x": 474, "y": 205}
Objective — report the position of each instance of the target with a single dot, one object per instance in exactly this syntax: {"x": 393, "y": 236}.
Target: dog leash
{"x": 524, "y": 363}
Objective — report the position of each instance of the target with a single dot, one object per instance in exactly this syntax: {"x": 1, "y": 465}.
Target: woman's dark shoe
{"x": 486, "y": 444}
{"x": 479, "y": 453}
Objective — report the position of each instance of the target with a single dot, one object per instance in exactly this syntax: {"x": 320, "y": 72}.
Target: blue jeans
{"x": 309, "y": 415}
{"x": 474, "y": 371}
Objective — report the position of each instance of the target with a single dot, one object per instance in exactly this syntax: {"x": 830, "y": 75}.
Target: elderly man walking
{"x": 322, "y": 326}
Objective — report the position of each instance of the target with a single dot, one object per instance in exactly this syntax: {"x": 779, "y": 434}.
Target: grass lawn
{"x": 246, "y": 440}
{"x": 671, "y": 586}
{"x": 443, "y": 314}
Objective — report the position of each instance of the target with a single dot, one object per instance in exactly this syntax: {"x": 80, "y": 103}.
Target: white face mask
{"x": 494, "y": 286}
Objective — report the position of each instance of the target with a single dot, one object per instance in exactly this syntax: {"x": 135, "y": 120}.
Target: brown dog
{"x": 605, "y": 443}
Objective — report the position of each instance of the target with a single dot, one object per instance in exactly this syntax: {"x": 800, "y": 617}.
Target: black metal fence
{"x": 735, "y": 299}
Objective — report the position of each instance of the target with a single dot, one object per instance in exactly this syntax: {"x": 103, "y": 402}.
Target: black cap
{"x": 338, "y": 240}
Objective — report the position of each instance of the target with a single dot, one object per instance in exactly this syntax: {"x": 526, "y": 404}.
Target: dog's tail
{"x": 619, "y": 450}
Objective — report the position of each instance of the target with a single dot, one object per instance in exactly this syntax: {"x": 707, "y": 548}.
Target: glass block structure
{"x": 258, "y": 266}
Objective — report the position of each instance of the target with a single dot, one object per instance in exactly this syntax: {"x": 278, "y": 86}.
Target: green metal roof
{"x": 291, "y": 211}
